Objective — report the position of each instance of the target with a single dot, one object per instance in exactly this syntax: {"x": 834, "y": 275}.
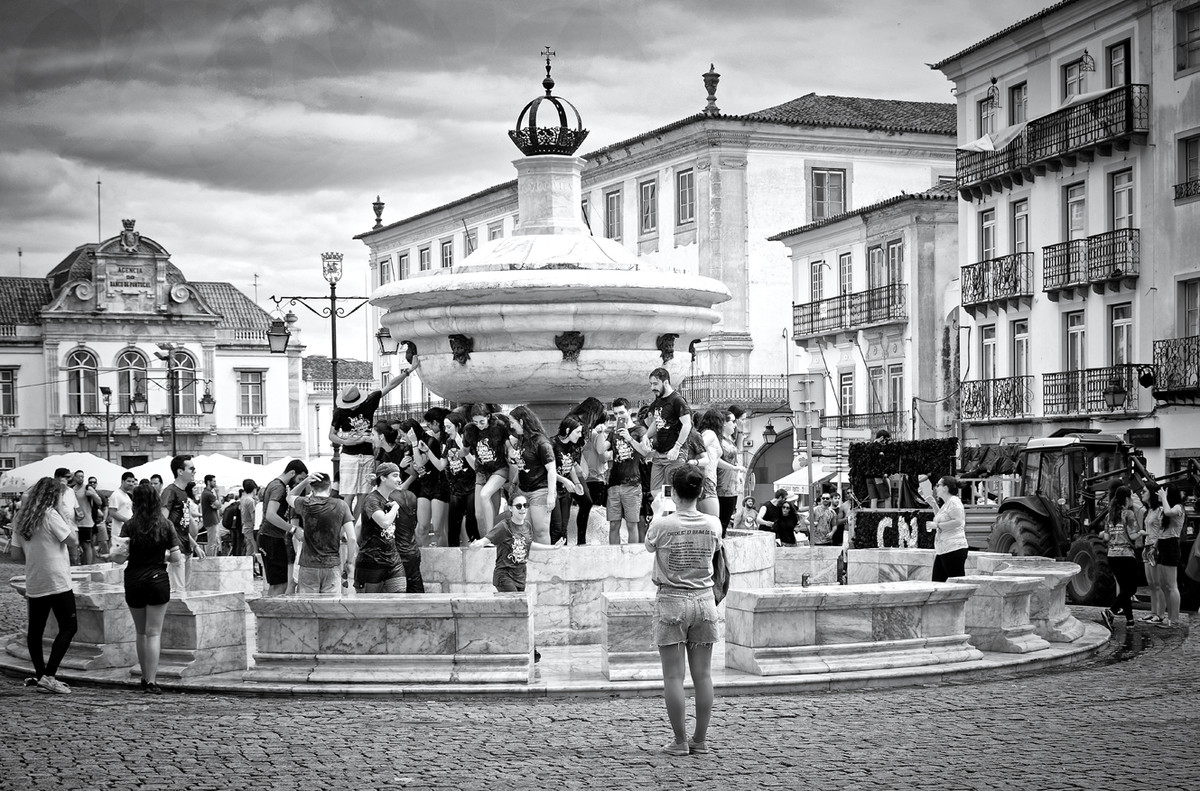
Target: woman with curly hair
{"x": 487, "y": 453}
{"x": 48, "y": 543}
{"x": 537, "y": 472}
{"x": 431, "y": 488}
{"x": 147, "y": 587}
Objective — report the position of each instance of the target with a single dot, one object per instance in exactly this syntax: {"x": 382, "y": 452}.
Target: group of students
{"x": 1143, "y": 537}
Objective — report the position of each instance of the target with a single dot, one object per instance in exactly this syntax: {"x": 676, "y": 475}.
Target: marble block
{"x": 105, "y": 635}
{"x": 1048, "y": 602}
{"x": 792, "y": 563}
{"x": 100, "y": 572}
{"x": 984, "y": 562}
{"x": 864, "y": 566}
{"x": 204, "y": 633}
{"x": 222, "y": 573}
{"x": 997, "y": 614}
{"x": 825, "y": 628}
{"x": 627, "y": 650}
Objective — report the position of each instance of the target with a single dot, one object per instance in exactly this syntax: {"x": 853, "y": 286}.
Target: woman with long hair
{"x": 597, "y": 421}
{"x": 1169, "y": 555}
{"x": 785, "y": 525}
{"x": 728, "y": 474}
{"x": 461, "y": 480}
{"x": 487, "y": 453}
{"x": 1121, "y": 534}
{"x": 568, "y": 453}
{"x": 536, "y": 470}
{"x": 147, "y": 586}
{"x": 710, "y": 425}
{"x": 431, "y": 488}
{"x": 48, "y": 543}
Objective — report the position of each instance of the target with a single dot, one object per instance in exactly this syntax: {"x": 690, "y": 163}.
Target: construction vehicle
{"x": 1061, "y": 505}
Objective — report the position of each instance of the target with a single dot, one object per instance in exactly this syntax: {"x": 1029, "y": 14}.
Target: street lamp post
{"x": 138, "y": 401}
{"x": 106, "y": 392}
{"x": 278, "y": 335}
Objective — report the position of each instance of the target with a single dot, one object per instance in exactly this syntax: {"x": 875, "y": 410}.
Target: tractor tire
{"x": 1019, "y": 533}
{"x": 1094, "y": 584}
{"x": 1189, "y": 589}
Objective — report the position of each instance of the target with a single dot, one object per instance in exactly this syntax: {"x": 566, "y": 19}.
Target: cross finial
{"x": 548, "y": 83}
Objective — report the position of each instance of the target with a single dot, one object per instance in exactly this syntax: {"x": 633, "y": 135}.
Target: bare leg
{"x": 1169, "y": 582}
{"x": 614, "y": 532}
{"x": 424, "y": 510}
{"x": 539, "y": 518}
{"x": 439, "y": 517}
{"x": 139, "y": 624}
{"x": 700, "y": 666}
{"x": 485, "y": 505}
{"x": 710, "y": 506}
{"x": 152, "y": 635}
{"x": 673, "y": 667}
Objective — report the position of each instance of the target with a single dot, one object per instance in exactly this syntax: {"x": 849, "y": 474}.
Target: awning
{"x": 797, "y": 482}
{"x": 995, "y": 141}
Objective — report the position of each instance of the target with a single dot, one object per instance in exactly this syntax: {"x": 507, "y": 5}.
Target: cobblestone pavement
{"x": 1127, "y": 719}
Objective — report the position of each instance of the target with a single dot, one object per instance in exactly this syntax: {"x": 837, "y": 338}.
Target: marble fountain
{"x": 547, "y": 317}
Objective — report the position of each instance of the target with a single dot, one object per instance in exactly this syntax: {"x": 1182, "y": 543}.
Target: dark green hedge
{"x": 866, "y": 526}
{"x": 934, "y": 457}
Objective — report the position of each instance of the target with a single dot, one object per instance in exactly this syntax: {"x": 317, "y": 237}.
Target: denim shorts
{"x": 685, "y": 616}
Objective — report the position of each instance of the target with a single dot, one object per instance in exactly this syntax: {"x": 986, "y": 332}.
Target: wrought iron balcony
{"x": 1107, "y": 260}
{"x": 1107, "y": 123}
{"x": 759, "y": 393}
{"x": 1083, "y": 391}
{"x": 412, "y": 409}
{"x": 896, "y": 421}
{"x": 997, "y": 280}
{"x": 1177, "y": 368}
{"x": 875, "y": 306}
{"x": 1187, "y": 189}
{"x": 997, "y": 399}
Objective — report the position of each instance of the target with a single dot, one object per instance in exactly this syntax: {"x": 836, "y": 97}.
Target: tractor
{"x": 1062, "y": 502}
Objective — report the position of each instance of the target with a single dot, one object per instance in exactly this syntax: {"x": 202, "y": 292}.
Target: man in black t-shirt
{"x": 350, "y": 427}
{"x": 625, "y": 475}
{"x": 174, "y": 504}
{"x": 668, "y": 426}
{"x": 275, "y": 531}
{"x": 769, "y": 514}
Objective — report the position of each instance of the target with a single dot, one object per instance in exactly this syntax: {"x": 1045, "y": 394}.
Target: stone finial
{"x": 711, "y": 78}
{"x": 378, "y": 207}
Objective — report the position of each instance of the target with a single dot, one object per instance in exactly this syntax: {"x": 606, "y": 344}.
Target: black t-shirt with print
{"x": 665, "y": 413}
{"x": 275, "y": 491}
{"x": 535, "y": 456}
{"x": 174, "y": 500}
{"x": 566, "y": 458}
{"x": 359, "y": 419}
{"x": 626, "y": 461}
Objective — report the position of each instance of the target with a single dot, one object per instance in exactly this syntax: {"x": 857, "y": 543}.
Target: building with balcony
{"x": 114, "y": 348}
{"x": 700, "y": 195}
{"x": 1079, "y": 228}
{"x": 872, "y": 317}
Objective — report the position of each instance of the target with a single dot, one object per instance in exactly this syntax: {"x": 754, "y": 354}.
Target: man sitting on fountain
{"x": 667, "y": 429}
{"x": 350, "y": 426}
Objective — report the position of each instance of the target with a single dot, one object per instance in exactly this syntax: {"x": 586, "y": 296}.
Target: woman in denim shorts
{"x": 683, "y": 544}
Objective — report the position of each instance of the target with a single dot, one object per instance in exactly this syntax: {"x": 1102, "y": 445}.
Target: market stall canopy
{"x": 18, "y": 479}
{"x": 797, "y": 482}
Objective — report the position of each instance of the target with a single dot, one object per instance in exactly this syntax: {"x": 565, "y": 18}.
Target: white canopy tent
{"x": 275, "y": 469}
{"x": 797, "y": 482}
{"x": 230, "y": 472}
{"x": 18, "y": 479}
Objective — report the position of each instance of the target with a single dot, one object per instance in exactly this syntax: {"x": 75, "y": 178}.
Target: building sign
{"x": 129, "y": 276}
{"x": 1144, "y": 437}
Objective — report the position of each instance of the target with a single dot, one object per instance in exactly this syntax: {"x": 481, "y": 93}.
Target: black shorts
{"x": 509, "y": 580}
{"x": 148, "y": 591}
{"x": 1168, "y": 551}
{"x": 373, "y": 575}
{"x": 275, "y": 558}
{"x": 85, "y": 534}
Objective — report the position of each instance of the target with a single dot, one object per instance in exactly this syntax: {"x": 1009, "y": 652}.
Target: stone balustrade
{"x": 395, "y": 638}
{"x": 997, "y": 615}
{"x": 1048, "y": 603}
{"x": 825, "y": 628}
{"x": 870, "y": 566}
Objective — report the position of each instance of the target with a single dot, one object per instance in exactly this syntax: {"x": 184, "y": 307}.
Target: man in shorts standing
{"x": 327, "y": 523}
{"x": 668, "y": 426}
{"x": 120, "y": 506}
{"x": 87, "y": 499}
{"x": 350, "y": 427}
{"x": 246, "y": 504}
{"x": 174, "y": 504}
{"x": 625, "y": 475}
{"x": 275, "y": 530}
{"x": 210, "y": 515}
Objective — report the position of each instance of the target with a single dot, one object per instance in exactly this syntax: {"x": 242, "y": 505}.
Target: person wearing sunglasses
{"x": 512, "y": 536}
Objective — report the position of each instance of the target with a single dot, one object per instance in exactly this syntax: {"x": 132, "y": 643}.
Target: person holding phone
{"x": 625, "y": 475}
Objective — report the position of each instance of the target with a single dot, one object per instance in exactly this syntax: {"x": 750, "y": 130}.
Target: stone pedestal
{"x": 1048, "y": 603}
{"x": 225, "y": 574}
{"x": 870, "y": 566}
{"x": 627, "y": 652}
{"x": 793, "y": 563}
{"x": 204, "y": 633}
{"x": 395, "y": 638}
{"x": 105, "y": 634}
{"x": 824, "y": 629}
{"x": 998, "y": 613}
{"x": 985, "y": 562}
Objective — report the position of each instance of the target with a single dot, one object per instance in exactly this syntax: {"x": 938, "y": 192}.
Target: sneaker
{"x": 698, "y": 748}
{"x": 1107, "y": 617}
{"x": 1165, "y": 623}
{"x": 31, "y": 681}
{"x": 1152, "y": 618}
{"x": 153, "y": 688}
{"x": 52, "y": 684}
{"x": 676, "y": 748}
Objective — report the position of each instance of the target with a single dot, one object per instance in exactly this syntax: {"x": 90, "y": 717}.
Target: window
{"x": 252, "y": 458}
{"x": 1074, "y": 79}
{"x": 250, "y": 392}
{"x": 875, "y": 385}
{"x": 876, "y": 271}
{"x": 1075, "y": 341}
{"x": 685, "y": 197}
{"x": 1189, "y": 164}
{"x": 423, "y": 257}
{"x": 385, "y": 270}
{"x": 8, "y": 391}
{"x": 1020, "y": 347}
{"x": 8, "y": 463}
{"x": 1076, "y": 212}
{"x": 472, "y": 241}
{"x": 987, "y": 234}
{"x": 402, "y": 266}
{"x": 447, "y": 254}
{"x": 845, "y": 273}
{"x": 131, "y": 377}
{"x": 984, "y": 119}
{"x": 987, "y": 351}
{"x": 496, "y": 229}
{"x": 895, "y": 262}
{"x": 612, "y": 215}
{"x": 895, "y": 387}
{"x": 1191, "y": 308}
{"x": 1121, "y": 340}
{"x": 1118, "y": 64}
{"x": 648, "y": 208}
{"x": 1020, "y": 226}
{"x": 816, "y": 281}
{"x": 82, "y": 391}
{"x": 184, "y": 366}
{"x": 1187, "y": 38}
{"x": 846, "y": 388}
{"x": 1018, "y": 103}
{"x": 828, "y": 193}
{"x": 1122, "y": 200}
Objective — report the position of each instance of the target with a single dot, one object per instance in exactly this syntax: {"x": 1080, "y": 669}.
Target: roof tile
{"x": 22, "y": 299}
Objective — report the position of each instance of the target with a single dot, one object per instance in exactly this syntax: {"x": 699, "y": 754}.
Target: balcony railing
{"x": 326, "y": 385}
{"x": 121, "y": 420}
{"x": 997, "y": 399}
{"x": 251, "y": 421}
{"x": 412, "y": 409}
{"x": 1083, "y": 391}
{"x": 1106, "y": 122}
{"x": 746, "y": 390}
{"x": 1064, "y": 265}
{"x": 1105, "y": 259}
{"x": 896, "y": 422}
{"x": 1177, "y": 365}
{"x": 8, "y": 421}
{"x": 1187, "y": 189}
{"x": 997, "y": 279}
{"x": 883, "y": 305}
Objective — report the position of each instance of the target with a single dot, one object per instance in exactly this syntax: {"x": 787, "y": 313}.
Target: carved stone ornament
{"x": 692, "y": 348}
{"x": 129, "y": 237}
{"x": 666, "y": 345}
{"x": 461, "y": 347}
{"x": 570, "y": 343}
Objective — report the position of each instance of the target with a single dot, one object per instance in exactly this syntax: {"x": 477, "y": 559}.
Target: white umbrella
{"x": 160, "y": 466}
{"x": 18, "y": 479}
{"x": 317, "y": 464}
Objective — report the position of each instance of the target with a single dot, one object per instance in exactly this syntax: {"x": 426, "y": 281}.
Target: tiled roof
{"x": 238, "y": 311}
{"x": 77, "y": 265}
{"x": 852, "y": 112}
{"x": 22, "y": 299}
{"x": 942, "y": 191}
{"x": 995, "y": 36}
{"x": 318, "y": 366}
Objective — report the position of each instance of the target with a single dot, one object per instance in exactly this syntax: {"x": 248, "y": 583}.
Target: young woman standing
{"x": 431, "y": 488}
{"x": 1120, "y": 535}
{"x": 385, "y": 558}
{"x": 536, "y": 469}
{"x": 487, "y": 453}
{"x": 568, "y": 451}
{"x": 461, "y": 480}
{"x": 950, "y": 522}
{"x": 728, "y": 474}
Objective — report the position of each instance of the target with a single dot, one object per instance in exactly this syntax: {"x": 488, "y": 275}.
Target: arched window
{"x": 83, "y": 395}
{"x": 131, "y": 377}
{"x": 184, "y": 365}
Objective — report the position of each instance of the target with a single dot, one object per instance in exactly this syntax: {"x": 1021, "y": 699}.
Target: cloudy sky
{"x": 248, "y": 136}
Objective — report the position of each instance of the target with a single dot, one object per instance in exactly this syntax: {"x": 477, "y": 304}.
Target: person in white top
{"x": 120, "y": 505}
{"x": 950, "y": 522}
